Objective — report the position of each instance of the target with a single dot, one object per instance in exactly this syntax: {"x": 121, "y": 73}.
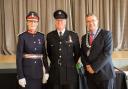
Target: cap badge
{"x": 32, "y": 14}
{"x": 59, "y": 12}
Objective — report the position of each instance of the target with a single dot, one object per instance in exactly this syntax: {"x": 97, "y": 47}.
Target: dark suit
{"x": 31, "y": 69}
{"x": 63, "y": 55}
{"x": 100, "y": 59}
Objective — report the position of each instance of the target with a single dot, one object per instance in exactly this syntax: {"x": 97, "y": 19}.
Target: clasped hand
{"x": 89, "y": 69}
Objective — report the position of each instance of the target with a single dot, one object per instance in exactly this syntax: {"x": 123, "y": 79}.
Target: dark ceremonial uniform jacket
{"x": 30, "y": 44}
{"x": 100, "y": 56}
{"x": 63, "y": 54}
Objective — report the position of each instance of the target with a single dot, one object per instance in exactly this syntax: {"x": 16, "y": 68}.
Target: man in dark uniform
{"x": 30, "y": 55}
{"x": 63, "y": 51}
{"x": 97, "y": 55}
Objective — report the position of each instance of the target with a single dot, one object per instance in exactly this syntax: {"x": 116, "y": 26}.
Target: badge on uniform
{"x": 69, "y": 39}
{"x": 59, "y": 12}
{"x": 39, "y": 41}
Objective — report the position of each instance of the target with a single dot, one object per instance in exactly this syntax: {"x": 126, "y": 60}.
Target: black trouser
{"x": 63, "y": 86}
{"x": 106, "y": 84}
{"x": 33, "y": 84}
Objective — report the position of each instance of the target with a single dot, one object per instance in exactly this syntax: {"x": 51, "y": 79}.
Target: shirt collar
{"x": 95, "y": 32}
{"x": 61, "y": 31}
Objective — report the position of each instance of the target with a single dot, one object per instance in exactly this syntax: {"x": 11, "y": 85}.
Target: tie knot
{"x": 60, "y": 33}
{"x": 91, "y": 34}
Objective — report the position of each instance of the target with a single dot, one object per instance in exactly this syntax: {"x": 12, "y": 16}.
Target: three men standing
{"x": 63, "y": 50}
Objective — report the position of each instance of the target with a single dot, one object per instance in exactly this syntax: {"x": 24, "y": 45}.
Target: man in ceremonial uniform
{"x": 31, "y": 55}
{"x": 63, "y": 51}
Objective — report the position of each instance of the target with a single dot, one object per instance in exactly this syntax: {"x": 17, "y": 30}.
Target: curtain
{"x": 112, "y": 16}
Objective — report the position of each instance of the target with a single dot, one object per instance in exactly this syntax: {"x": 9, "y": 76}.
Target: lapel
{"x": 94, "y": 42}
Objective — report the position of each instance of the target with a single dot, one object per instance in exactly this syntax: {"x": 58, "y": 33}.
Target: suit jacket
{"x": 30, "y": 44}
{"x": 100, "y": 56}
{"x": 63, "y": 53}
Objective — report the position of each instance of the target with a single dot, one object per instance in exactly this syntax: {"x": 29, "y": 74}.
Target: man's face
{"x": 32, "y": 24}
{"x": 60, "y": 24}
{"x": 92, "y": 23}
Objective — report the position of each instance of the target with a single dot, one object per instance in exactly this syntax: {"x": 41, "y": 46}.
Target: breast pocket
{"x": 69, "y": 44}
{"x": 53, "y": 47}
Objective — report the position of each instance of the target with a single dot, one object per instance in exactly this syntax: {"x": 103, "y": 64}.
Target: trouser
{"x": 33, "y": 84}
{"x": 63, "y": 86}
{"x": 105, "y": 84}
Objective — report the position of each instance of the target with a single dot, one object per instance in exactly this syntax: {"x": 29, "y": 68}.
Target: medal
{"x": 88, "y": 52}
{"x": 70, "y": 39}
{"x": 87, "y": 41}
{"x": 39, "y": 41}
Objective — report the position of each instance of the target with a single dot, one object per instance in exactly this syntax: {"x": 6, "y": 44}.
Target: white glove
{"x": 45, "y": 77}
{"x": 22, "y": 82}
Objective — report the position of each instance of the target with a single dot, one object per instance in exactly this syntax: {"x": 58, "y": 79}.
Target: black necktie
{"x": 60, "y": 33}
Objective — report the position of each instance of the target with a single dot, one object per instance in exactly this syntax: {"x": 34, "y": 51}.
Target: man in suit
{"x": 97, "y": 55}
{"x": 63, "y": 51}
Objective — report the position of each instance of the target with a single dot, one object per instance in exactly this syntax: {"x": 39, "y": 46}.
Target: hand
{"x": 45, "y": 77}
{"x": 89, "y": 69}
{"x": 22, "y": 82}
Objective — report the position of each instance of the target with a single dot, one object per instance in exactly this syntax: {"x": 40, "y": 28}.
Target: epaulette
{"x": 73, "y": 31}
{"x": 40, "y": 32}
{"x": 21, "y": 33}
